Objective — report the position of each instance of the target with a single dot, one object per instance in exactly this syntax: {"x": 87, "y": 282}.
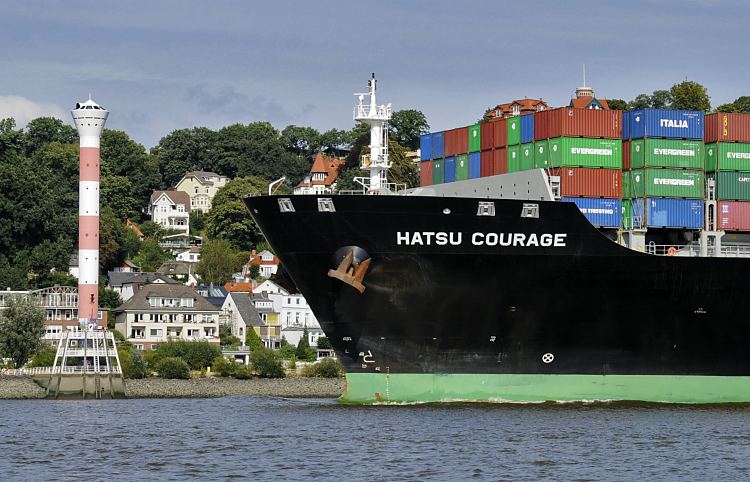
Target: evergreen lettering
{"x": 738, "y": 155}
{"x": 674, "y": 152}
{"x": 673, "y": 182}
{"x": 589, "y": 150}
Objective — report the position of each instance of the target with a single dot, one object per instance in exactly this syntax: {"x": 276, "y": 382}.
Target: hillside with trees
{"x": 39, "y": 191}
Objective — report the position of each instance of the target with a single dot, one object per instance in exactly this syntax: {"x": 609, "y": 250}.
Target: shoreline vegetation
{"x": 23, "y": 388}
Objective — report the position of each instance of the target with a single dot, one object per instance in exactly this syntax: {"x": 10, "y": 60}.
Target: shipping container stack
{"x": 664, "y": 176}
{"x": 727, "y": 138}
{"x": 584, "y": 148}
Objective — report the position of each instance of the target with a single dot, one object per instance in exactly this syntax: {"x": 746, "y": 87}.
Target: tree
{"x": 46, "y": 130}
{"x": 324, "y": 343}
{"x": 689, "y": 95}
{"x": 254, "y": 271}
{"x": 21, "y": 330}
{"x": 121, "y": 156}
{"x": 267, "y": 363}
{"x": 742, "y": 104}
{"x": 114, "y": 240}
{"x": 641, "y": 101}
{"x": 304, "y": 352}
{"x": 252, "y": 340}
{"x": 219, "y": 261}
{"x": 345, "y": 180}
{"x": 186, "y": 150}
{"x": 151, "y": 230}
{"x": 402, "y": 170}
{"x": 406, "y": 126}
{"x": 303, "y": 141}
{"x": 118, "y": 194}
{"x": 661, "y": 99}
{"x": 226, "y": 336}
{"x": 334, "y": 139}
{"x": 197, "y": 354}
{"x": 109, "y": 298}
{"x": 44, "y": 356}
{"x": 151, "y": 255}
{"x": 229, "y": 218}
{"x": 617, "y": 104}
{"x": 197, "y": 222}
{"x": 728, "y": 108}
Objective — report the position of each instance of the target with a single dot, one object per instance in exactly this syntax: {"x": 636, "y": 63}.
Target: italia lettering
{"x": 591, "y": 151}
{"x": 680, "y": 124}
{"x": 738, "y": 155}
{"x": 442, "y": 238}
{"x": 674, "y": 182}
{"x": 674, "y": 152}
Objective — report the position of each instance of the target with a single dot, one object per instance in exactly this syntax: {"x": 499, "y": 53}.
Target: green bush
{"x": 132, "y": 362}
{"x": 197, "y": 354}
{"x": 287, "y": 352}
{"x": 324, "y": 343}
{"x": 325, "y": 368}
{"x": 224, "y": 367}
{"x": 174, "y": 367}
{"x": 243, "y": 372}
{"x": 44, "y": 357}
{"x": 267, "y": 363}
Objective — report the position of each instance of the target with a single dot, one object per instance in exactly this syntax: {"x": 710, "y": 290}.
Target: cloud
{"x": 23, "y": 110}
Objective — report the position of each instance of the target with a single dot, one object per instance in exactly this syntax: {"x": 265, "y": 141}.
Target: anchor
{"x": 351, "y": 272}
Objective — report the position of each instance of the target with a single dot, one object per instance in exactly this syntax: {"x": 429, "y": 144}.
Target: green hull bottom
{"x": 417, "y": 387}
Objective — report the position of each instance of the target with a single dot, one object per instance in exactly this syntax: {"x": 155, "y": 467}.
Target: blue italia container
{"x": 425, "y": 147}
{"x": 449, "y": 169}
{"x": 666, "y": 124}
{"x": 527, "y": 128}
{"x": 601, "y": 212}
{"x": 438, "y": 144}
{"x": 668, "y": 213}
{"x": 625, "y": 125}
{"x": 475, "y": 165}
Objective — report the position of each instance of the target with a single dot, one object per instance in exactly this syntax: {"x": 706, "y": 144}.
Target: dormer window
{"x": 516, "y": 109}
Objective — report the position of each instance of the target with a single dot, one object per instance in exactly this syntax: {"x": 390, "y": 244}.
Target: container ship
{"x": 569, "y": 254}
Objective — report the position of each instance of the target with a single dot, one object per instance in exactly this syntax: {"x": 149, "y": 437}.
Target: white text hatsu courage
{"x": 453, "y": 238}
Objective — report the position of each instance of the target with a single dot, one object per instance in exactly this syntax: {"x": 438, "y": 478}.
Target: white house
{"x": 190, "y": 255}
{"x": 160, "y": 312}
{"x": 171, "y": 210}
{"x": 125, "y": 284}
{"x": 266, "y": 261}
{"x": 293, "y": 334}
{"x": 323, "y": 175}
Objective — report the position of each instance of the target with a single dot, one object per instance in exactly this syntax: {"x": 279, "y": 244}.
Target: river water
{"x": 264, "y": 438}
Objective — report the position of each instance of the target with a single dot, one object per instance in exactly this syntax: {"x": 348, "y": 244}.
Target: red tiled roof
{"x": 330, "y": 166}
{"x": 130, "y": 224}
{"x": 525, "y": 105}
{"x": 240, "y": 287}
{"x": 583, "y": 102}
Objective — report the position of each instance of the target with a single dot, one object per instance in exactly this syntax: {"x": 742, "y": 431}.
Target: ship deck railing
{"x": 694, "y": 250}
{"x": 37, "y": 371}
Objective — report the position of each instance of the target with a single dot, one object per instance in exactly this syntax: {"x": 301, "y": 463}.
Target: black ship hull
{"x": 510, "y": 306}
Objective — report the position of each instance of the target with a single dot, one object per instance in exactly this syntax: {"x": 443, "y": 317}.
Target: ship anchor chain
{"x": 352, "y": 269}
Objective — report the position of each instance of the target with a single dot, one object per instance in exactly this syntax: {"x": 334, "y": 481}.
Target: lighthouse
{"x": 89, "y": 118}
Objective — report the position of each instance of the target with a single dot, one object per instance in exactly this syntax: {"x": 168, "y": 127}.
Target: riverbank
{"x": 210, "y": 387}
{"x": 291, "y": 387}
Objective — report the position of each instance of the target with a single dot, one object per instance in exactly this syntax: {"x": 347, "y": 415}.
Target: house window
{"x": 157, "y": 332}
{"x": 196, "y": 189}
{"x": 207, "y": 190}
{"x": 180, "y": 208}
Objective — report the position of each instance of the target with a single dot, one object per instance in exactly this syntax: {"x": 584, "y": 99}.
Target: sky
{"x": 165, "y": 65}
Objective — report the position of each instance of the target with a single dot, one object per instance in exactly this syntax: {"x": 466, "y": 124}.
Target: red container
{"x": 457, "y": 141}
{"x": 733, "y": 216}
{"x": 500, "y": 161}
{"x": 499, "y": 133}
{"x": 572, "y": 122}
{"x": 585, "y": 182}
{"x": 486, "y": 168}
{"x": 722, "y": 127}
{"x": 425, "y": 173}
{"x": 625, "y": 155}
{"x": 488, "y": 136}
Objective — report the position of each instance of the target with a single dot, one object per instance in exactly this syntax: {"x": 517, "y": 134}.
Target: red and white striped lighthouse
{"x": 89, "y": 118}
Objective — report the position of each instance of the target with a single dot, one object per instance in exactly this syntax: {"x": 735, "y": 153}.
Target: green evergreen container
{"x": 728, "y": 156}
{"x": 541, "y": 154}
{"x": 475, "y": 138}
{"x": 462, "y": 167}
{"x": 514, "y": 131}
{"x": 674, "y": 153}
{"x": 437, "y": 171}
{"x": 627, "y": 185}
{"x": 527, "y": 156}
{"x": 675, "y": 183}
{"x": 627, "y": 210}
{"x": 514, "y": 158}
{"x": 732, "y": 186}
{"x": 583, "y": 152}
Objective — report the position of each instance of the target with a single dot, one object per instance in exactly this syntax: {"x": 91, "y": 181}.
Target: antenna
{"x": 584, "y": 75}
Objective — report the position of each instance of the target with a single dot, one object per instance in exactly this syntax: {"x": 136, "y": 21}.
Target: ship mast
{"x": 377, "y": 117}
